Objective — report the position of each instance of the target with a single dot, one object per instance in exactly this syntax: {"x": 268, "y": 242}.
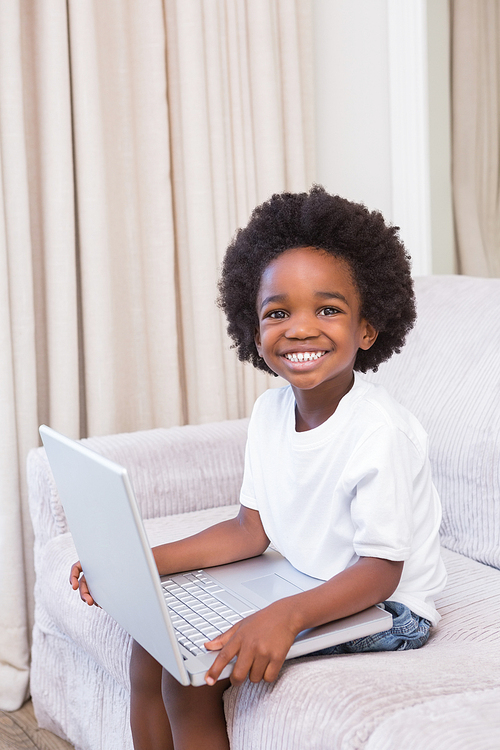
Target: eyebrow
{"x": 323, "y": 295}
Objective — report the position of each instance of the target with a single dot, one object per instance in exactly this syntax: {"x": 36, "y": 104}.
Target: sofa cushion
{"x": 338, "y": 702}
{"x": 61, "y": 613}
{"x": 470, "y": 604}
{"x": 448, "y": 375}
{"x": 461, "y": 722}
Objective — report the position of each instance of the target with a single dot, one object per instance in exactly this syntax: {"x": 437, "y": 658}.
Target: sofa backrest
{"x": 175, "y": 470}
{"x": 448, "y": 375}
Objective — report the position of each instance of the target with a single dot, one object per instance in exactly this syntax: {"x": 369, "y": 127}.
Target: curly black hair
{"x": 376, "y": 256}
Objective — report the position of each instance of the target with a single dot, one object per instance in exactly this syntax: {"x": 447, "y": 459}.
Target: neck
{"x": 313, "y": 407}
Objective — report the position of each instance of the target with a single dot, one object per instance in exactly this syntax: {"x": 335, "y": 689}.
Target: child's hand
{"x": 260, "y": 642}
{"x": 77, "y": 581}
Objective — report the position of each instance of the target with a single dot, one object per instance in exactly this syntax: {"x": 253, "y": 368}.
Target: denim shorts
{"x": 408, "y": 631}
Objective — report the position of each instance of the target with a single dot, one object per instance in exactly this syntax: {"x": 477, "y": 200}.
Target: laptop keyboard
{"x": 200, "y": 609}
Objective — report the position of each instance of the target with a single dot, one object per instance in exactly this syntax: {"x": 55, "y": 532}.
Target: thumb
{"x": 220, "y": 641}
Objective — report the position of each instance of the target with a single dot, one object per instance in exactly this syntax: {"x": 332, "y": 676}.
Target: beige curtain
{"x": 476, "y": 134}
{"x": 134, "y": 138}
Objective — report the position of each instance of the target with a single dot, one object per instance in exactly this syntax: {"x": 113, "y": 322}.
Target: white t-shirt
{"x": 359, "y": 485}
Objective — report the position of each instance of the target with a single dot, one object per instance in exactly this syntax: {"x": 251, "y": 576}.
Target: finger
{"x": 258, "y": 669}
{"x": 216, "y": 644}
{"x": 243, "y": 666}
{"x": 223, "y": 658}
{"x": 85, "y": 594}
{"x": 74, "y": 575}
{"x": 272, "y": 671}
{"x": 243, "y": 662}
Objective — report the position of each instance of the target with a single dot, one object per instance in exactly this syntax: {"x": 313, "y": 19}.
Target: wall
{"x": 383, "y": 116}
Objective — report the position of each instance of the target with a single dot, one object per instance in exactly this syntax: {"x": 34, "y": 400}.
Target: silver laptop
{"x": 172, "y": 617}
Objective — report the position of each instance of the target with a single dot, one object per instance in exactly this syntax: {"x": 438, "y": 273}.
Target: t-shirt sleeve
{"x": 381, "y": 476}
{"x": 247, "y": 495}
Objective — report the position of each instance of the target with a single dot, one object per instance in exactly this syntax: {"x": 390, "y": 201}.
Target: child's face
{"x": 310, "y": 327}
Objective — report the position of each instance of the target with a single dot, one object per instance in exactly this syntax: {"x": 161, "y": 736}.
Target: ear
{"x": 258, "y": 342}
{"x": 369, "y": 335}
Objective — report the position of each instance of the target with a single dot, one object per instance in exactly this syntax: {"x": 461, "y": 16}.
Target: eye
{"x": 276, "y": 314}
{"x": 329, "y": 311}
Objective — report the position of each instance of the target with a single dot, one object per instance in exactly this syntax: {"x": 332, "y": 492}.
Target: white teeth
{"x": 303, "y": 356}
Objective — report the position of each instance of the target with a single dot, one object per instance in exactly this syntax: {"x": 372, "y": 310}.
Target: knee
{"x": 181, "y": 700}
{"x": 145, "y": 671}
{"x": 175, "y": 696}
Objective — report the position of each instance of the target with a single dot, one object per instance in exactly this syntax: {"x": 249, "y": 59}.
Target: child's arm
{"x": 236, "y": 539}
{"x": 261, "y": 641}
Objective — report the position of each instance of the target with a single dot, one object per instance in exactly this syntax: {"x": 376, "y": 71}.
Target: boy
{"x": 336, "y": 473}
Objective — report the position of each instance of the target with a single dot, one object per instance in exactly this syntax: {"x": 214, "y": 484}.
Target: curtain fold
{"x": 18, "y": 407}
{"x": 51, "y": 220}
{"x": 134, "y": 139}
{"x": 125, "y": 223}
{"x": 476, "y": 134}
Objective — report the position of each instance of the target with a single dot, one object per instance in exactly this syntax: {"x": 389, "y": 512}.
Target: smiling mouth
{"x": 303, "y": 356}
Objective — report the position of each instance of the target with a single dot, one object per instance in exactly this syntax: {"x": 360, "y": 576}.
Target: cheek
{"x": 264, "y": 340}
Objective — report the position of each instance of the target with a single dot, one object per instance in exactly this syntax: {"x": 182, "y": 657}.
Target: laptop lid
{"x": 121, "y": 573}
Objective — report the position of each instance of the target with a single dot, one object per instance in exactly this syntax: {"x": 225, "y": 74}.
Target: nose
{"x": 302, "y": 326}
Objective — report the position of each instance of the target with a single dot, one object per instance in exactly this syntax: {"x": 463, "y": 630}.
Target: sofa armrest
{"x": 172, "y": 471}
{"x": 47, "y": 514}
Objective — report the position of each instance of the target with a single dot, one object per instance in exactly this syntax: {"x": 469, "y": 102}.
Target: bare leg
{"x": 196, "y": 714}
{"x": 148, "y": 718}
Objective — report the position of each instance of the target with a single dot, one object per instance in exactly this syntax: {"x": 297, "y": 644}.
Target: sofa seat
{"x": 313, "y": 695}
{"x": 461, "y": 722}
{"x": 460, "y": 664}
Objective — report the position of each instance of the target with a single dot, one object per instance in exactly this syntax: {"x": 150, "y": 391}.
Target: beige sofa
{"x": 444, "y": 696}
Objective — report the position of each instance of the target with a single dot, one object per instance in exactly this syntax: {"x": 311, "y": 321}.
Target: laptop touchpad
{"x": 272, "y": 587}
